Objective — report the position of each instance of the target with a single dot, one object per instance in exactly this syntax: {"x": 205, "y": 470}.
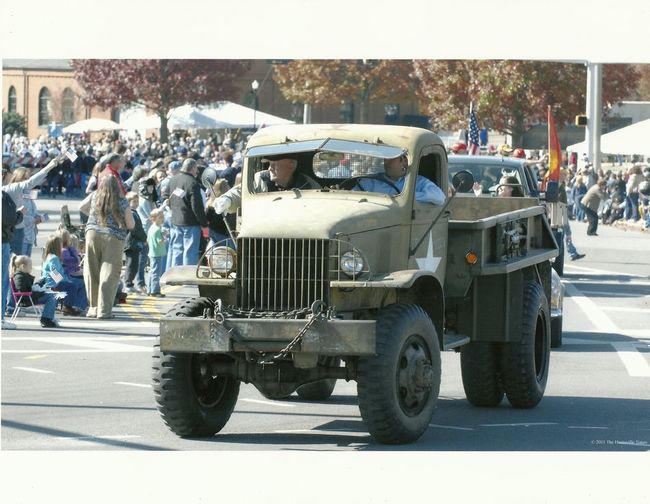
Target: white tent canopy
{"x": 238, "y": 116}
{"x": 223, "y": 115}
{"x": 633, "y": 139}
{"x": 92, "y": 125}
{"x": 185, "y": 117}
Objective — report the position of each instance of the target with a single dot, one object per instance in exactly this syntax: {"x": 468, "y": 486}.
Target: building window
{"x": 11, "y": 102}
{"x": 44, "y": 107}
{"x": 68, "y": 106}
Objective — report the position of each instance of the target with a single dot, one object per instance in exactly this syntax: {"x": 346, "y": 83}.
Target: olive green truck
{"x": 329, "y": 281}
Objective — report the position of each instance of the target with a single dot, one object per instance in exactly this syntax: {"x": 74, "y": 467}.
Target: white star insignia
{"x": 429, "y": 262}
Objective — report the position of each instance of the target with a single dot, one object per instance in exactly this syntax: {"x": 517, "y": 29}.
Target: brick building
{"x": 45, "y": 91}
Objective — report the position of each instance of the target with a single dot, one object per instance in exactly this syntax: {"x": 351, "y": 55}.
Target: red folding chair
{"x": 21, "y": 300}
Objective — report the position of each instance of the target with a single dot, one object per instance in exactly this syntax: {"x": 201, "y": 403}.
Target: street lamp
{"x": 255, "y": 86}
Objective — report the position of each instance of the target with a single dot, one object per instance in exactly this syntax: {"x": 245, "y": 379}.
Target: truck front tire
{"x": 190, "y": 400}
{"x": 525, "y": 364}
{"x": 398, "y": 387}
{"x": 479, "y": 365}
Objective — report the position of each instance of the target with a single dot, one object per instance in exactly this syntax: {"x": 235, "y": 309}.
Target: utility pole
{"x": 594, "y": 112}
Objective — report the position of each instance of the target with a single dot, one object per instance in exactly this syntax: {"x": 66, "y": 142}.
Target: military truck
{"x": 339, "y": 283}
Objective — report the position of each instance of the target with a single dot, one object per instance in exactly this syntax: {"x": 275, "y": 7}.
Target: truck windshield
{"x": 324, "y": 164}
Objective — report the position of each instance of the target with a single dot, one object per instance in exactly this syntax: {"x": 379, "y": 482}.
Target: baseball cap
{"x": 174, "y": 165}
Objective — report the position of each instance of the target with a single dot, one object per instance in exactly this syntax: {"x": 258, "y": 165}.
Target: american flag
{"x": 473, "y": 144}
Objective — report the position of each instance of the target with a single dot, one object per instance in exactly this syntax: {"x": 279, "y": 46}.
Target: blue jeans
{"x": 17, "y": 241}
{"x": 632, "y": 206}
{"x": 6, "y": 290}
{"x": 48, "y": 301}
{"x": 218, "y": 238}
{"x": 27, "y": 249}
{"x": 143, "y": 264}
{"x": 185, "y": 245}
{"x": 570, "y": 248}
{"x": 76, "y": 292}
{"x": 155, "y": 272}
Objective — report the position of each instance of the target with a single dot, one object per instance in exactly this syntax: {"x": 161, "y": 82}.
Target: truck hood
{"x": 316, "y": 214}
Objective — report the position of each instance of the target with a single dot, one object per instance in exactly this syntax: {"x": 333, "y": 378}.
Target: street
{"x": 86, "y": 386}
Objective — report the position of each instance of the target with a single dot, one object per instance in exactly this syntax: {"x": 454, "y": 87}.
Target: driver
{"x": 281, "y": 175}
{"x": 393, "y": 178}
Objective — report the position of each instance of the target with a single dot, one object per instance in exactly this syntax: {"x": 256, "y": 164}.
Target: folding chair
{"x": 20, "y": 300}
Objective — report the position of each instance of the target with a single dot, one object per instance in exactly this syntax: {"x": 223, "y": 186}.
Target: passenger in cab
{"x": 394, "y": 177}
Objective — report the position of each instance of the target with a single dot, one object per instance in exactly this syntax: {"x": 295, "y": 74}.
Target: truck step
{"x": 452, "y": 341}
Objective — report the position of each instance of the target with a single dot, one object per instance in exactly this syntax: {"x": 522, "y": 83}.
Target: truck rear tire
{"x": 479, "y": 365}
{"x": 191, "y": 402}
{"x": 398, "y": 387}
{"x": 525, "y": 364}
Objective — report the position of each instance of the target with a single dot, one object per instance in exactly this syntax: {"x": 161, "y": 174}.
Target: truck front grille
{"x": 281, "y": 274}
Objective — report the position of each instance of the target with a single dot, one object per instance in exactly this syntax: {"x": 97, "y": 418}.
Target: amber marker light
{"x": 471, "y": 258}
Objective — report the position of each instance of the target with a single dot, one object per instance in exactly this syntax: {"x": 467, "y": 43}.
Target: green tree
{"x": 13, "y": 122}
{"x": 334, "y": 82}
{"x": 160, "y": 85}
{"x": 509, "y": 96}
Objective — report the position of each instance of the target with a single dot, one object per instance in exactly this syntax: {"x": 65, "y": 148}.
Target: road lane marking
{"x": 450, "y": 427}
{"x": 634, "y": 361}
{"x": 34, "y": 370}
{"x": 591, "y": 309}
{"x": 90, "y": 343}
{"x": 269, "y": 403}
{"x": 35, "y": 357}
{"x": 626, "y": 310}
{"x": 91, "y": 438}
{"x": 93, "y": 324}
{"x": 525, "y": 424}
{"x": 614, "y": 294}
{"x": 130, "y": 384}
{"x": 607, "y": 272}
{"x": 79, "y": 350}
{"x": 586, "y": 427}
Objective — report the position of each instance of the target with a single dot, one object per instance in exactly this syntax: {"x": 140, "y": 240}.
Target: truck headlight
{"x": 352, "y": 263}
{"x": 222, "y": 260}
{"x": 557, "y": 291}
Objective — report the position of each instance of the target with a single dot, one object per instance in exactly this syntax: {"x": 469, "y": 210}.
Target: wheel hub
{"x": 415, "y": 377}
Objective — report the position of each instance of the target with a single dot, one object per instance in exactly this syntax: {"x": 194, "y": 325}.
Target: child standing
{"x": 135, "y": 244}
{"x": 55, "y": 277}
{"x": 157, "y": 252}
{"x": 21, "y": 268}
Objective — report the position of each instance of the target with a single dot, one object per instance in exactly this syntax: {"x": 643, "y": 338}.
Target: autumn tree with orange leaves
{"x": 334, "y": 82}
{"x": 160, "y": 85}
{"x": 510, "y": 96}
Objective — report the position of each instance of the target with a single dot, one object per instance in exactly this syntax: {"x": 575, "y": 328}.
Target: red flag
{"x": 554, "y": 150}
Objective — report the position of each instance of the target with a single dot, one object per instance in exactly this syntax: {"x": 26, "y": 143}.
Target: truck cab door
{"x": 428, "y": 244}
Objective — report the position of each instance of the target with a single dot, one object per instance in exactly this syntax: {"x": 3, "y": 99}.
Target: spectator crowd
{"x": 150, "y": 205}
{"x": 144, "y": 210}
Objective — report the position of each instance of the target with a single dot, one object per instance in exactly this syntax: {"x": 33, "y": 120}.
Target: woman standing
{"x": 109, "y": 219}
{"x": 590, "y": 203}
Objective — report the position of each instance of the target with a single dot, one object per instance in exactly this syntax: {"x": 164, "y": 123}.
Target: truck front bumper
{"x": 325, "y": 337}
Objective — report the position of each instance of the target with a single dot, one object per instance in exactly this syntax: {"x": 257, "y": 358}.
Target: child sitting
{"x": 70, "y": 256}
{"x": 54, "y": 277}
{"x": 21, "y": 267}
{"x": 157, "y": 252}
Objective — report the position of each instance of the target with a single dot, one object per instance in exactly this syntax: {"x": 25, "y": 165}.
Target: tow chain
{"x": 318, "y": 311}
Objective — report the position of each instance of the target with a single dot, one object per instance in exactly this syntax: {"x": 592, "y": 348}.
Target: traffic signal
{"x": 581, "y": 120}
